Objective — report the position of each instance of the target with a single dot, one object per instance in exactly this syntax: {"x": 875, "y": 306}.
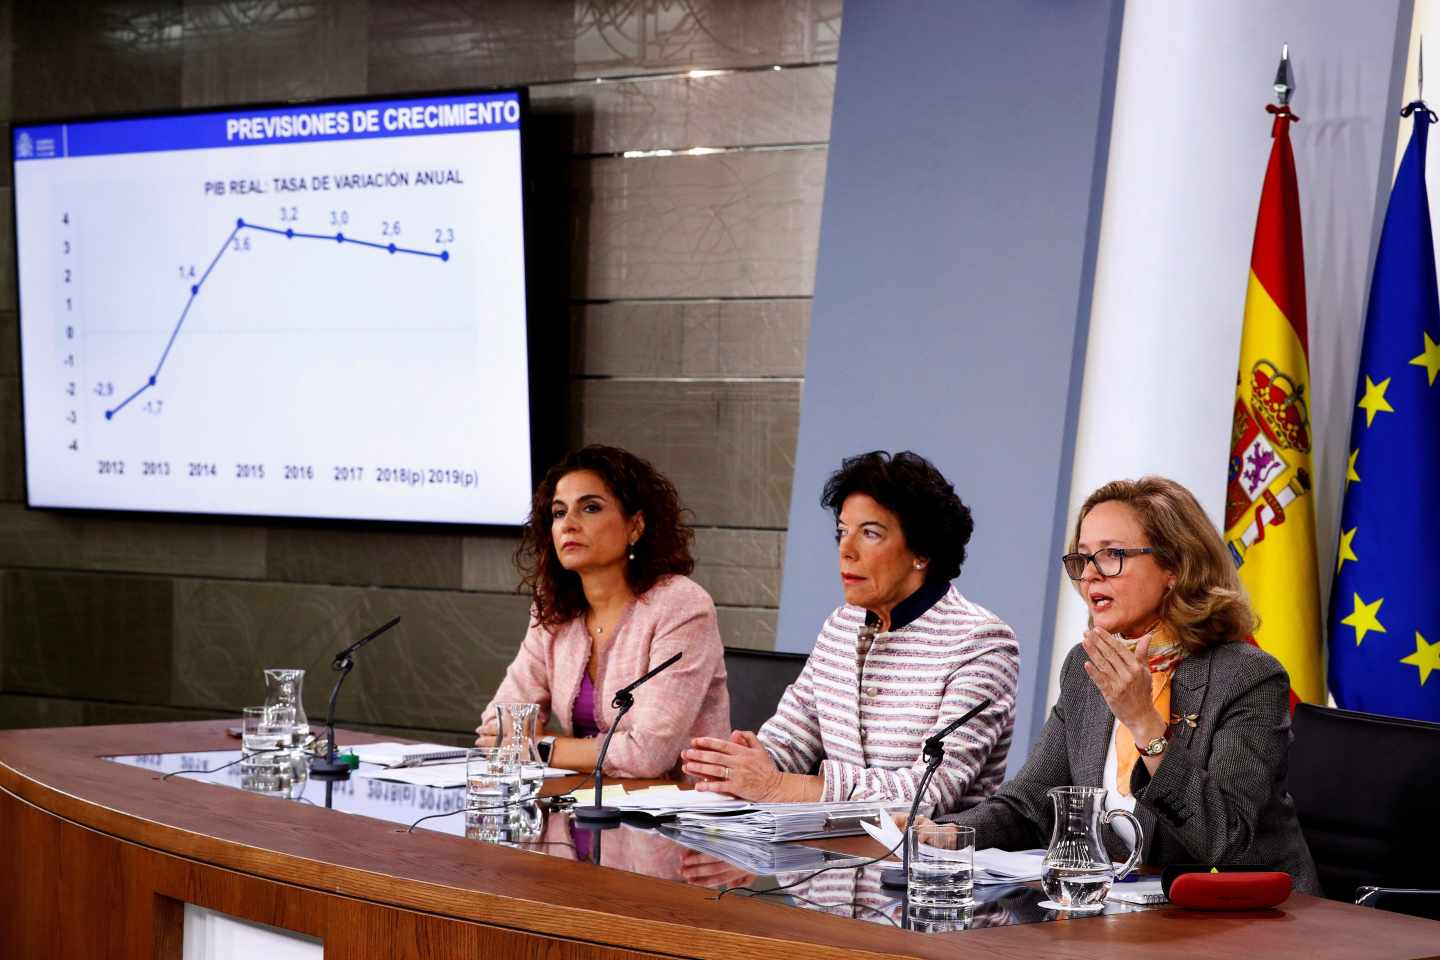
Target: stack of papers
{"x": 395, "y": 754}
{"x": 773, "y": 822}
{"x": 992, "y": 866}
{"x": 758, "y": 857}
{"x": 1008, "y": 866}
{"x": 667, "y": 801}
{"x": 421, "y": 764}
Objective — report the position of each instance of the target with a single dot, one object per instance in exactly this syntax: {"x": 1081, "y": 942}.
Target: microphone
{"x": 623, "y": 700}
{"x": 935, "y": 746}
{"x": 623, "y": 694}
{"x": 934, "y": 753}
{"x": 339, "y": 662}
{"x": 328, "y": 769}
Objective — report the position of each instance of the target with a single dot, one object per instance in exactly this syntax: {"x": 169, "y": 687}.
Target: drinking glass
{"x": 492, "y": 777}
{"x": 942, "y": 867}
{"x": 266, "y": 728}
{"x": 266, "y": 750}
{"x": 932, "y": 920}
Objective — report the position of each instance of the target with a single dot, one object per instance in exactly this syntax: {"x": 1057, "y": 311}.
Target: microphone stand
{"x": 330, "y": 770}
{"x": 596, "y": 813}
{"x": 934, "y": 756}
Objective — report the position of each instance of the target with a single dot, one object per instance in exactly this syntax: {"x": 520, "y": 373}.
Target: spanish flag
{"x": 1269, "y": 508}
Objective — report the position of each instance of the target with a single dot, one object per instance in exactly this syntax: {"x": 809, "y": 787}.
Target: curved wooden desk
{"x": 100, "y": 859}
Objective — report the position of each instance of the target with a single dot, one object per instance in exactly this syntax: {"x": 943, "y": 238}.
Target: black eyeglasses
{"x": 1109, "y": 561}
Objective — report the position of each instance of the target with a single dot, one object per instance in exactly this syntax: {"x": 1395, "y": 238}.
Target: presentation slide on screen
{"x": 313, "y": 311}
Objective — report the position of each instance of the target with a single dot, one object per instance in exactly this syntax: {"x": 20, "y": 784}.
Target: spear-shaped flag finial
{"x": 1284, "y": 79}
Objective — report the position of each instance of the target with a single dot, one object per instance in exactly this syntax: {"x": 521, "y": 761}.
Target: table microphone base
{"x": 598, "y": 814}
{"x": 331, "y": 770}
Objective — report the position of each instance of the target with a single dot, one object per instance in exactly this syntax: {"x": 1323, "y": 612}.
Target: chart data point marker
{"x": 239, "y": 222}
{"x": 152, "y": 381}
{"x": 392, "y": 248}
{"x": 290, "y": 233}
{"x": 194, "y": 289}
{"x": 109, "y": 414}
{"x": 339, "y": 238}
{"x": 444, "y": 254}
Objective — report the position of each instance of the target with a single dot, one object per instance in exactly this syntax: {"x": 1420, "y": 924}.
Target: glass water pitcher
{"x": 1077, "y": 872}
{"x": 518, "y": 725}
{"x": 284, "y": 687}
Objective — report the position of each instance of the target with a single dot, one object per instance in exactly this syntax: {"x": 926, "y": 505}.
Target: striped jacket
{"x": 863, "y": 731}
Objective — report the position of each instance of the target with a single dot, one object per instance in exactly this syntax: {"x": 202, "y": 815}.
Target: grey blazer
{"x": 1219, "y": 793}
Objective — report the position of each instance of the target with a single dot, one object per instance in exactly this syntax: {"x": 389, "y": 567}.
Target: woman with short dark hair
{"x": 904, "y": 656}
{"x": 605, "y": 554}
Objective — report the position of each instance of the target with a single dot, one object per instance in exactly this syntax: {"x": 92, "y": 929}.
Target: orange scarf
{"x": 1165, "y": 652}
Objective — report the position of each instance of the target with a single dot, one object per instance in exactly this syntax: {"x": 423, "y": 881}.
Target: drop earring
{"x": 632, "y": 551}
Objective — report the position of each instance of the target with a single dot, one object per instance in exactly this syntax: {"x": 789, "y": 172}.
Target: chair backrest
{"x": 1367, "y": 793}
{"x": 756, "y": 679}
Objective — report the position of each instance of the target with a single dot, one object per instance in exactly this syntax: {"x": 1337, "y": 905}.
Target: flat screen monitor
{"x": 304, "y": 311}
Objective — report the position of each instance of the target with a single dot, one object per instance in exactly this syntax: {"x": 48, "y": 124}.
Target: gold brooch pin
{"x": 1188, "y": 718}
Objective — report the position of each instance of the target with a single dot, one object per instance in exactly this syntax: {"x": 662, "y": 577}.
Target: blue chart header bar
{"x": 468, "y": 113}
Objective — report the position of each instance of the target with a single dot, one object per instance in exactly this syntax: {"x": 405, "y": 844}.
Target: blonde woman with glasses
{"x": 1163, "y": 704}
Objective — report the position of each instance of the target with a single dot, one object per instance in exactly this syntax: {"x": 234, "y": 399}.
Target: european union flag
{"x": 1385, "y": 605}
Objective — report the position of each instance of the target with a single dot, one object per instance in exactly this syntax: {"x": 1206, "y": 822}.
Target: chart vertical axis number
{"x": 70, "y": 345}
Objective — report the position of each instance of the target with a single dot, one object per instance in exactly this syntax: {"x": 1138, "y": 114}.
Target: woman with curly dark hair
{"x": 605, "y": 554}
{"x": 904, "y": 656}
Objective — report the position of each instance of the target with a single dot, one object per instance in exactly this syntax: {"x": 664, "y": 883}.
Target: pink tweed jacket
{"x": 688, "y": 700}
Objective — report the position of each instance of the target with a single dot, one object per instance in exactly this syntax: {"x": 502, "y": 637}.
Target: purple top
{"x": 584, "y": 713}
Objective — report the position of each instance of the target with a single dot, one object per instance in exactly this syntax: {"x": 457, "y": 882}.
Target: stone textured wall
{"x": 689, "y": 283}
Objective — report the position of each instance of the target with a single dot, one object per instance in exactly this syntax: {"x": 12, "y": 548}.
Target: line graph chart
{"x": 288, "y": 233}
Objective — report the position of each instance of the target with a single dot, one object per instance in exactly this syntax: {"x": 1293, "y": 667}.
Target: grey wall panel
{"x": 433, "y": 44}
{"x": 740, "y": 567}
{"x": 961, "y": 209}
{"x": 749, "y": 627}
{"x": 87, "y": 635}
{"x": 12, "y": 454}
{"x": 727, "y": 110}
{"x": 23, "y": 710}
{"x": 487, "y": 562}
{"x": 75, "y": 57}
{"x": 9, "y": 343}
{"x": 435, "y": 670}
{"x": 40, "y": 538}
{"x": 711, "y": 338}
{"x": 258, "y": 50}
{"x": 723, "y": 225}
{"x": 364, "y": 557}
{"x": 656, "y": 35}
{"x": 9, "y": 296}
{"x": 183, "y": 548}
{"x": 728, "y": 447}
{"x": 99, "y": 542}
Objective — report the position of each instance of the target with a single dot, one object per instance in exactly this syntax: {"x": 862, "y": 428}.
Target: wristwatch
{"x": 1154, "y": 748}
{"x": 544, "y": 745}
